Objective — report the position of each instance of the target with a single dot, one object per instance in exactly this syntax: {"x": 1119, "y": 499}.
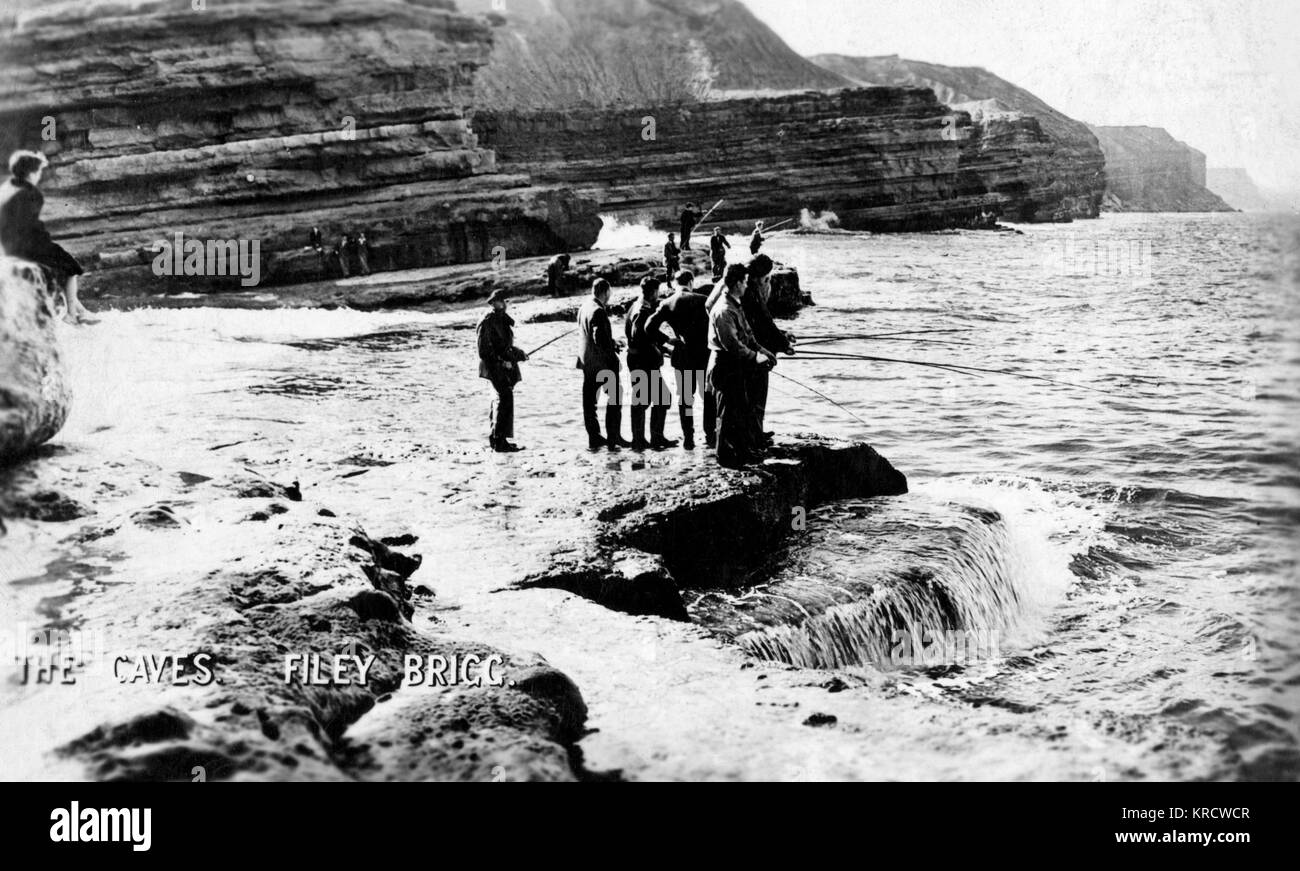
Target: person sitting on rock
{"x": 718, "y": 246}
{"x": 23, "y": 233}
{"x": 555, "y": 271}
{"x": 499, "y": 361}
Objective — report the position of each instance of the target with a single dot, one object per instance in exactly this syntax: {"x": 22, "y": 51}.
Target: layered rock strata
{"x": 885, "y": 159}
{"x": 259, "y": 121}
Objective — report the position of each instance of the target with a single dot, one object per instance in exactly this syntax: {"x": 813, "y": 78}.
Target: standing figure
{"x": 23, "y": 233}
{"x": 685, "y": 314}
{"x": 598, "y": 360}
{"x": 341, "y": 255}
{"x": 555, "y": 270}
{"x": 318, "y": 245}
{"x": 758, "y": 287}
{"x": 718, "y": 246}
{"x": 499, "y": 361}
{"x": 645, "y": 359}
{"x": 363, "y": 253}
{"x": 690, "y": 217}
{"x": 735, "y": 354}
{"x": 672, "y": 257}
{"x": 756, "y": 239}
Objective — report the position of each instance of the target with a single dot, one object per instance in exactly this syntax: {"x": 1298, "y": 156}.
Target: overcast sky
{"x": 1222, "y": 76}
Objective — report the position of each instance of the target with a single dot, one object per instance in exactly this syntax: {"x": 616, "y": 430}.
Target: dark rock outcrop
{"x": 259, "y": 121}
{"x": 34, "y": 393}
{"x": 708, "y": 527}
{"x": 1147, "y": 170}
{"x": 1050, "y": 161}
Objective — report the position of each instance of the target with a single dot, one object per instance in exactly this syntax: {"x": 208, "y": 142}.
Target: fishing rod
{"x": 817, "y": 341}
{"x": 953, "y": 367}
{"x": 709, "y": 212}
{"x": 822, "y": 395}
{"x": 767, "y": 230}
{"x": 829, "y": 336}
{"x": 551, "y": 341}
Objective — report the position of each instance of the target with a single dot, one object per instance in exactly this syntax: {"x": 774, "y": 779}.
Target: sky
{"x": 1224, "y": 76}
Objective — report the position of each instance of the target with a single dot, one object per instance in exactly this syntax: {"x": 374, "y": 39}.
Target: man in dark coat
{"x": 718, "y": 246}
{"x": 672, "y": 257}
{"x": 766, "y": 333}
{"x": 690, "y": 217}
{"x": 685, "y": 314}
{"x": 23, "y": 234}
{"x": 341, "y": 255}
{"x": 645, "y": 360}
{"x": 499, "y": 361}
{"x": 735, "y": 354}
{"x": 756, "y": 239}
{"x": 598, "y": 360}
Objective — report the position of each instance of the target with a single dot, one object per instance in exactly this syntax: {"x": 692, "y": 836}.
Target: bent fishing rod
{"x": 551, "y": 341}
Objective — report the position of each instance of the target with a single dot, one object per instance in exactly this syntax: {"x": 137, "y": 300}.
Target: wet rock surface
{"x": 34, "y": 393}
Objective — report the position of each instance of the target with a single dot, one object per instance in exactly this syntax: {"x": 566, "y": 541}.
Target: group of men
{"x": 349, "y": 256}
{"x": 718, "y": 245}
{"x": 721, "y": 346}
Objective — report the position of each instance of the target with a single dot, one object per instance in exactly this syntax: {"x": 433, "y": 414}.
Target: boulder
{"x": 34, "y": 391}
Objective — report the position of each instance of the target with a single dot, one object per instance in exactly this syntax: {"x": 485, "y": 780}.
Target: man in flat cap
{"x": 499, "y": 361}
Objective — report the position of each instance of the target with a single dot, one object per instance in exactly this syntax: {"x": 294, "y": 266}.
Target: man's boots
{"x": 638, "y": 428}
{"x": 658, "y": 416}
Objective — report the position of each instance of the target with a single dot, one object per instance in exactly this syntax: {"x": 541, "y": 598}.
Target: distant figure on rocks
{"x": 758, "y": 288}
{"x": 690, "y": 217}
{"x": 340, "y": 256}
{"x": 23, "y": 233}
{"x": 362, "y": 248}
{"x": 598, "y": 360}
{"x": 645, "y": 359}
{"x": 685, "y": 314}
{"x": 672, "y": 257}
{"x": 318, "y": 245}
{"x": 735, "y": 354}
{"x": 718, "y": 246}
{"x": 317, "y": 241}
{"x": 555, "y": 271}
{"x": 499, "y": 361}
{"x": 756, "y": 239}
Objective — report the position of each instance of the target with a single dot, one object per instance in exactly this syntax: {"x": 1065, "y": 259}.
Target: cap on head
{"x": 760, "y": 265}
{"x": 685, "y": 278}
{"x": 497, "y": 296}
{"x": 24, "y": 163}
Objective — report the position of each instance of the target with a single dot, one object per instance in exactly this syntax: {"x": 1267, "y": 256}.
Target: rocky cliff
{"x": 34, "y": 395}
{"x": 1236, "y": 188}
{"x": 1147, "y": 170}
{"x": 261, "y": 120}
{"x": 1052, "y": 161}
{"x": 555, "y": 53}
{"x": 882, "y": 159}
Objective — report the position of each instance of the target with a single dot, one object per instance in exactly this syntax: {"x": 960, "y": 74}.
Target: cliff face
{"x": 259, "y": 121}
{"x": 882, "y": 159}
{"x": 1235, "y": 187}
{"x": 554, "y": 53}
{"x": 1147, "y": 170}
{"x": 1050, "y": 162}
{"x": 34, "y": 395}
